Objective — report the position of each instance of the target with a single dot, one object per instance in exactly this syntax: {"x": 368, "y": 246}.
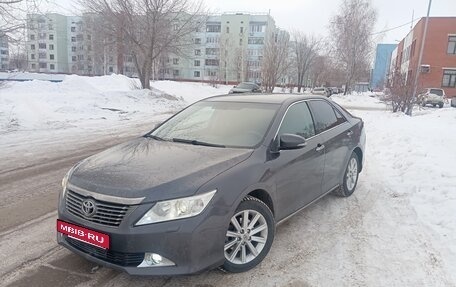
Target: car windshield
{"x": 219, "y": 124}
{"x": 245, "y": 86}
{"x": 437, "y": 92}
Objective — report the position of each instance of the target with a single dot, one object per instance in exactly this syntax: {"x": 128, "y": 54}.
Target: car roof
{"x": 263, "y": 98}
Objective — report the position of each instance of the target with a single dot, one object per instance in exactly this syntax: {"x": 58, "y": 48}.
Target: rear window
{"x": 318, "y": 90}
{"x": 324, "y": 116}
{"x": 437, "y": 92}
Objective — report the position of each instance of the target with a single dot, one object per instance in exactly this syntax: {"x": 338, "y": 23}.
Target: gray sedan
{"x": 207, "y": 188}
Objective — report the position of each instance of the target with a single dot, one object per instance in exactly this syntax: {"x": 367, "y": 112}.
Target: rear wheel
{"x": 249, "y": 236}
{"x": 440, "y": 105}
{"x": 350, "y": 179}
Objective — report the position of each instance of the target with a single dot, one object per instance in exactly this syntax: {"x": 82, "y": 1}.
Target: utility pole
{"x": 420, "y": 57}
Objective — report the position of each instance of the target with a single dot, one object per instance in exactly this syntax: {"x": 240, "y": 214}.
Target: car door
{"x": 336, "y": 133}
{"x": 299, "y": 172}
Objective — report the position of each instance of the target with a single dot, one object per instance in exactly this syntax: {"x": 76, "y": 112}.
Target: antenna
{"x": 413, "y": 15}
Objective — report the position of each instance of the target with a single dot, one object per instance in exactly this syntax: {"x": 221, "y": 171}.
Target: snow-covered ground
{"x": 410, "y": 160}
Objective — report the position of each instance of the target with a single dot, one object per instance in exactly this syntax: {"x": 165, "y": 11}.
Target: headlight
{"x": 177, "y": 208}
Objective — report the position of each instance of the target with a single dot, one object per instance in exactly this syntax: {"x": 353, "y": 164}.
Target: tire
{"x": 423, "y": 104}
{"x": 350, "y": 179}
{"x": 240, "y": 247}
{"x": 440, "y": 105}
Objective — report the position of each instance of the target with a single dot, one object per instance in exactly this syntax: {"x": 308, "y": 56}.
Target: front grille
{"x": 107, "y": 213}
{"x": 118, "y": 258}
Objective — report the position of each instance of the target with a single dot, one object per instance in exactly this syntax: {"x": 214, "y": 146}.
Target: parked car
{"x": 245, "y": 87}
{"x": 322, "y": 91}
{"x": 207, "y": 187}
{"x": 334, "y": 90}
{"x": 432, "y": 96}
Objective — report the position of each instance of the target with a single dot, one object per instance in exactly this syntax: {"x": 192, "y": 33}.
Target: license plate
{"x": 83, "y": 234}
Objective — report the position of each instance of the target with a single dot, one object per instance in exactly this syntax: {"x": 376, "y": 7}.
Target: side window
{"x": 298, "y": 121}
{"x": 340, "y": 118}
{"x": 324, "y": 115}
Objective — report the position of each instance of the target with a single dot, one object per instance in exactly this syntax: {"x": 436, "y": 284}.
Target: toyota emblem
{"x": 88, "y": 207}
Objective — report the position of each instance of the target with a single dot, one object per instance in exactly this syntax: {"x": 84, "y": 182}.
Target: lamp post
{"x": 420, "y": 57}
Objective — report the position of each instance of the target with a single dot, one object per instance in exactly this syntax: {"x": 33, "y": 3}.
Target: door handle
{"x": 349, "y": 133}
{"x": 320, "y": 147}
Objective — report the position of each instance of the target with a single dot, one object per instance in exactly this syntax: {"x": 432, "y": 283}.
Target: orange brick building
{"x": 438, "y": 65}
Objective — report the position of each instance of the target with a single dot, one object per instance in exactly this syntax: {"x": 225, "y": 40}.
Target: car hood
{"x": 153, "y": 169}
{"x": 239, "y": 90}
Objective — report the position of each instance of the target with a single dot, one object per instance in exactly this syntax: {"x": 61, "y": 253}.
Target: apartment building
{"x": 381, "y": 65}
{"x": 228, "y": 48}
{"x": 4, "y": 52}
{"x": 438, "y": 65}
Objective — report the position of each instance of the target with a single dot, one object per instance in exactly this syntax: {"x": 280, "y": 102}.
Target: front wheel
{"x": 249, "y": 236}
{"x": 350, "y": 177}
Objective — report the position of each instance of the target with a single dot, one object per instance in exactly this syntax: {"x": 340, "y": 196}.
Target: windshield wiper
{"x": 155, "y": 137}
{"x": 195, "y": 142}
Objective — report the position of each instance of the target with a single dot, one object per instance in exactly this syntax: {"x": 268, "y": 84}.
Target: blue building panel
{"x": 382, "y": 63}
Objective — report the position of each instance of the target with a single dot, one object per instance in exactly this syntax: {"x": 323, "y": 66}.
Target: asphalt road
{"x": 335, "y": 242}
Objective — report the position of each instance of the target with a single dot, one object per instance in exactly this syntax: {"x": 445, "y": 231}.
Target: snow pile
{"x": 414, "y": 158}
{"x": 359, "y": 100}
{"x": 190, "y": 92}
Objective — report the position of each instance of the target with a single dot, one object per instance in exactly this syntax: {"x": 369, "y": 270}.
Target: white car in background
{"x": 432, "y": 96}
{"x": 322, "y": 91}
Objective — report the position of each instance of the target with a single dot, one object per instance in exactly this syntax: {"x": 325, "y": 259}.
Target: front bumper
{"x": 193, "y": 244}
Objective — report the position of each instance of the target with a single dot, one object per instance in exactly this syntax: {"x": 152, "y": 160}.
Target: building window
{"x": 42, "y": 36}
{"x": 256, "y": 40}
{"x": 89, "y": 37}
{"x": 50, "y": 27}
{"x": 51, "y": 46}
{"x": 197, "y": 63}
{"x": 211, "y": 62}
{"x": 51, "y": 56}
{"x": 257, "y": 28}
{"x": 42, "y": 55}
{"x": 73, "y": 49}
{"x": 242, "y": 30}
{"x": 33, "y": 66}
{"x": 212, "y": 51}
{"x": 52, "y": 66}
{"x": 42, "y": 45}
{"x": 449, "y": 78}
{"x": 175, "y": 73}
{"x": 32, "y": 56}
{"x": 213, "y": 28}
{"x": 43, "y": 65}
{"x": 73, "y": 58}
{"x": 111, "y": 69}
{"x": 73, "y": 29}
{"x": 197, "y": 40}
{"x": 73, "y": 39}
{"x": 80, "y": 57}
{"x": 451, "y": 45}
{"x": 51, "y": 37}
{"x": 240, "y": 42}
{"x": 32, "y": 37}
{"x": 32, "y": 47}
{"x": 196, "y": 74}
{"x": 210, "y": 40}
{"x": 175, "y": 61}
{"x": 197, "y": 52}
{"x": 227, "y": 30}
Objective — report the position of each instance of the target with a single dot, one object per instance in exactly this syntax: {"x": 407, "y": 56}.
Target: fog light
{"x": 155, "y": 260}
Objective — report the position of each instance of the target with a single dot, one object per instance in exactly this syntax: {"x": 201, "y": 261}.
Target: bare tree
{"x": 149, "y": 28}
{"x": 305, "y": 51}
{"x": 401, "y": 92}
{"x": 275, "y": 60}
{"x": 351, "y": 37}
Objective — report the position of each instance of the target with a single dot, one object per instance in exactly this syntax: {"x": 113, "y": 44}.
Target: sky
{"x": 313, "y": 16}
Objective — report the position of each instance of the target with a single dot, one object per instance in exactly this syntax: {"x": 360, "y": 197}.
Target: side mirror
{"x": 291, "y": 141}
